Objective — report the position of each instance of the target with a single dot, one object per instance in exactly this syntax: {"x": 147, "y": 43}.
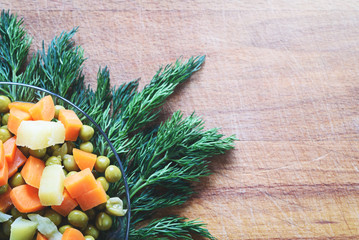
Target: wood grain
{"x": 281, "y": 75}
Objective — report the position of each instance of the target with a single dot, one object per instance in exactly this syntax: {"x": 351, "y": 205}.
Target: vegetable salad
{"x": 48, "y": 188}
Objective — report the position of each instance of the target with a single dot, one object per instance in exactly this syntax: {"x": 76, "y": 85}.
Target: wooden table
{"x": 281, "y": 75}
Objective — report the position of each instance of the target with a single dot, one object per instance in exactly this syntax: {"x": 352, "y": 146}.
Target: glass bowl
{"x": 29, "y": 93}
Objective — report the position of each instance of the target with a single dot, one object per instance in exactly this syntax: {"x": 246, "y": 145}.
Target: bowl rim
{"x": 128, "y": 213}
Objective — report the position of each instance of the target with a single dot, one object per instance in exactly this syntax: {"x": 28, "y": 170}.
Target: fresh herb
{"x": 160, "y": 161}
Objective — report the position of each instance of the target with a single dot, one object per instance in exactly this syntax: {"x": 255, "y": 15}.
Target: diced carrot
{"x": 15, "y": 118}
{"x": 5, "y": 201}
{"x": 4, "y": 174}
{"x": 72, "y": 234}
{"x": 32, "y": 171}
{"x": 24, "y": 106}
{"x": 43, "y": 109}
{"x": 10, "y": 149}
{"x": 2, "y": 154}
{"x": 84, "y": 159}
{"x": 67, "y": 205}
{"x": 72, "y": 124}
{"x": 40, "y": 237}
{"x": 26, "y": 198}
{"x": 80, "y": 183}
{"x": 19, "y": 160}
{"x": 92, "y": 198}
{"x": 4, "y": 169}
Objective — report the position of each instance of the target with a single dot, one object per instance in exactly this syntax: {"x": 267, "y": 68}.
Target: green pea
{"x": 88, "y": 237}
{"x": 114, "y": 207}
{"x": 6, "y": 226}
{"x": 4, "y": 188}
{"x": 61, "y": 151}
{"x": 86, "y": 147}
{"x": 103, "y": 221}
{"x": 53, "y": 216}
{"x": 65, "y": 172}
{"x": 4, "y": 104}
{"x": 5, "y": 119}
{"x": 70, "y": 163}
{"x": 15, "y": 213}
{"x": 71, "y": 173}
{"x": 91, "y": 230}
{"x": 57, "y": 110}
{"x": 16, "y": 180}
{"x": 102, "y": 163}
{"x": 53, "y": 161}
{"x": 104, "y": 183}
{"x": 113, "y": 174}
{"x": 63, "y": 228}
{"x": 4, "y": 127}
{"x": 4, "y": 134}
{"x": 51, "y": 149}
{"x": 70, "y": 147}
{"x": 78, "y": 219}
{"x": 86, "y": 133}
{"x": 38, "y": 153}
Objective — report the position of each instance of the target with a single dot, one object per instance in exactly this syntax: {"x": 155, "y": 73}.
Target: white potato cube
{"x": 52, "y": 185}
{"x": 40, "y": 134}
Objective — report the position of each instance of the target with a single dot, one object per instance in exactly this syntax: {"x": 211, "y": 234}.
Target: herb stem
{"x": 137, "y": 187}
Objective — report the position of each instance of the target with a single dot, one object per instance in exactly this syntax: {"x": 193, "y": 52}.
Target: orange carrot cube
{"x": 32, "y": 171}
{"x": 43, "y": 109}
{"x": 19, "y": 160}
{"x": 10, "y": 149}
{"x": 92, "y": 198}
{"x": 80, "y": 183}
{"x": 72, "y": 124}
{"x": 84, "y": 159}
{"x": 67, "y": 205}
{"x": 72, "y": 234}
{"x": 26, "y": 198}
{"x": 15, "y": 118}
{"x": 24, "y": 106}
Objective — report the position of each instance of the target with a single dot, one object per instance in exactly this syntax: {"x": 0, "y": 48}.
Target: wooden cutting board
{"x": 281, "y": 75}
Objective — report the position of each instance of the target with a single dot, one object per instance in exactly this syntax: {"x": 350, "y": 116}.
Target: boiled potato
{"x": 40, "y": 134}
{"x": 52, "y": 185}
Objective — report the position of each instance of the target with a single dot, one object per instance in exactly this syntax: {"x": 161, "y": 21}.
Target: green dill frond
{"x": 163, "y": 162}
{"x": 178, "y": 149}
{"x": 151, "y": 199}
{"x": 14, "y": 44}
{"x": 4, "y": 71}
{"x": 143, "y": 108}
{"x": 123, "y": 95}
{"x": 61, "y": 65}
{"x": 171, "y": 227}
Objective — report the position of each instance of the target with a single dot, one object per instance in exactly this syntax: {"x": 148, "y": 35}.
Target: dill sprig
{"x": 14, "y": 45}
{"x": 171, "y": 227}
{"x": 160, "y": 161}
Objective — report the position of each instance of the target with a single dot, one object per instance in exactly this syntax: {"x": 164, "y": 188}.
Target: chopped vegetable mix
{"x": 48, "y": 189}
